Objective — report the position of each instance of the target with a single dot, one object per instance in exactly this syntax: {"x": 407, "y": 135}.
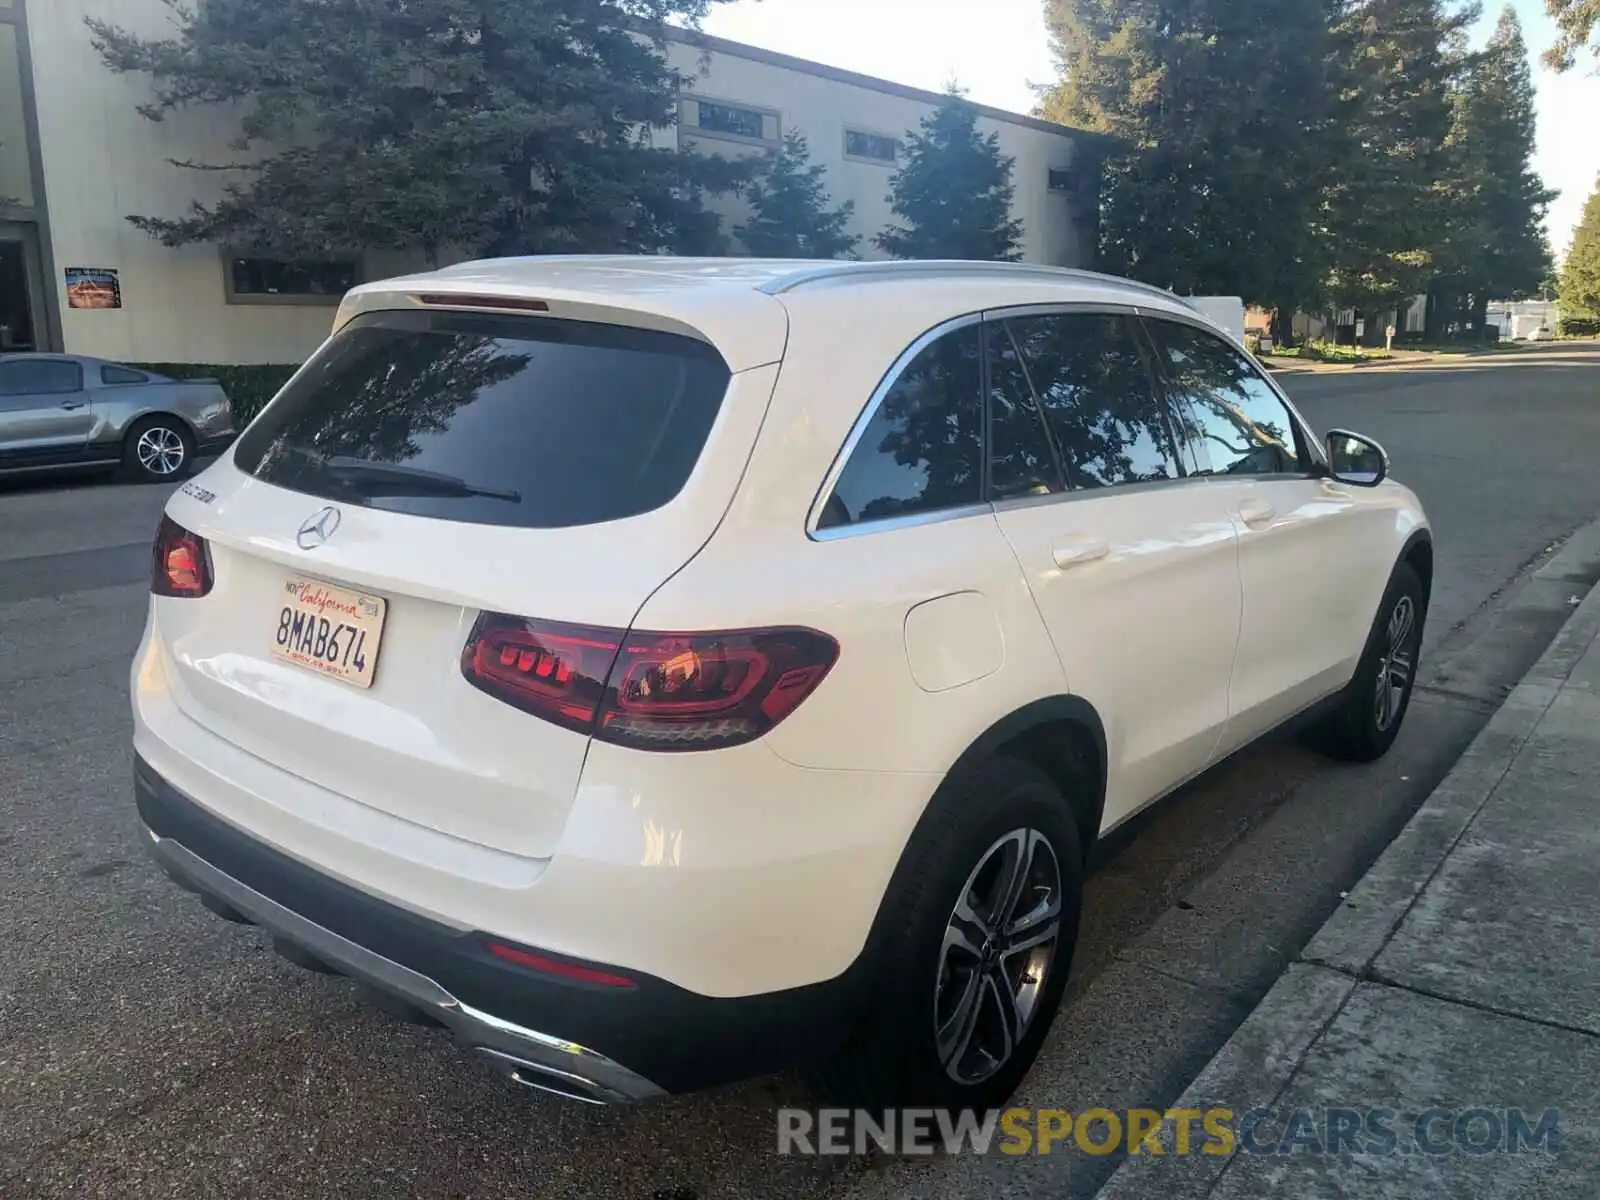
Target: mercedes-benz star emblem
{"x": 318, "y": 528}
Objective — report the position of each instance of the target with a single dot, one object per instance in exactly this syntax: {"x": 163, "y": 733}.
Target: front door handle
{"x": 1256, "y": 512}
{"x": 1079, "y": 550}
{"x": 69, "y": 405}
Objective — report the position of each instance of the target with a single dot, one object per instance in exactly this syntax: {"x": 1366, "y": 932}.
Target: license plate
{"x": 329, "y": 629}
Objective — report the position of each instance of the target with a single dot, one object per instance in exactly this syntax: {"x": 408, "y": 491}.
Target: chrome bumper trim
{"x": 527, "y": 1056}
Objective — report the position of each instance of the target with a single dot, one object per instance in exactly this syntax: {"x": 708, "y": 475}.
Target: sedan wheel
{"x": 161, "y": 451}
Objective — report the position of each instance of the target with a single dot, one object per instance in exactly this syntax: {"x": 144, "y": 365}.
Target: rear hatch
{"x": 423, "y": 468}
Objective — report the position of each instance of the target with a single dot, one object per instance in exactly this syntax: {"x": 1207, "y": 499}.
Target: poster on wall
{"x": 93, "y": 287}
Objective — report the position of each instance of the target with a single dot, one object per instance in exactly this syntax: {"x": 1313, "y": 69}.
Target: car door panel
{"x": 1306, "y": 542}
{"x": 45, "y": 413}
{"x": 1134, "y": 568}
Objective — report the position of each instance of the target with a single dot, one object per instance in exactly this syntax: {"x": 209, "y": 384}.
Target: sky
{"x": 997, "y": 49}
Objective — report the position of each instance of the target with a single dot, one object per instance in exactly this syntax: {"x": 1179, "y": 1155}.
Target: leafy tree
{"x": 1580, "y": 274}
{"x": 1391, "y": 211}
{"x": 1576, "y": 23}
{"x": 792, "y": 218}
{"x": 1231, "y": 113}
{"x": 1495, "y": 245}
{"x": 954, "y": 192}
{"x": 498, "y": 126}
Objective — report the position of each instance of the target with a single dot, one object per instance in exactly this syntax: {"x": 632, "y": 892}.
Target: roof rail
{"x": 795, "y": 280}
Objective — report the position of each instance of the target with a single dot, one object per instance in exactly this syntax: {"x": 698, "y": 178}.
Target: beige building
{"x": 76, "y": 158}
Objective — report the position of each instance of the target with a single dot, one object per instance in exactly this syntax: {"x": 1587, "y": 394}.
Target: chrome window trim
{"x": 932, "y": 516}
{"x": 1314, "y": 446}
{"x": 1012, "y": 503}
{"x": 859, "y": 429}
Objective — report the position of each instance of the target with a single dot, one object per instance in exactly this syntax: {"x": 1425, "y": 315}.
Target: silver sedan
{"x": 65, "y": 410}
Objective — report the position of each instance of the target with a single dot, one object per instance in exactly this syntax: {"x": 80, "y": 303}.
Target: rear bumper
{"x": 596, "y": 1043}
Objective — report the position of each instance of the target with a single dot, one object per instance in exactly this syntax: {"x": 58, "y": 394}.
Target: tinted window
{"x": 39, "y": 376}
{"x": 276, "y": 277}
{"x": 568, "y": 422}
{"x": 1098, "y": 396}
{"x": 110, "y": 374}
{"x": 1229, "y": 413}
{"x": 729, "y": 118}
{"x": 923, "y": 448}
{"x": 1021, "y": 461}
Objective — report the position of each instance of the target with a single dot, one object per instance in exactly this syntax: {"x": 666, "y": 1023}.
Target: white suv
{"x": 662, "y": 671}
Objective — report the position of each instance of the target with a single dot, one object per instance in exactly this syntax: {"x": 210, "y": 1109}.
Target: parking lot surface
{"x": 150, "y": 1049}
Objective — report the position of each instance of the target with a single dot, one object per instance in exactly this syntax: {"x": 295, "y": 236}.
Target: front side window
{"x": 39, "y": 377}
{"x": 1098, "y": 396}
{"x": 520, "y": 421}
{"x": 922, "y": 450}
{"x": 1224, "y": 408}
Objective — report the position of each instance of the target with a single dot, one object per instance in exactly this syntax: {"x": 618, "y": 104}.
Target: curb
{"x": 1259, "y": 1060}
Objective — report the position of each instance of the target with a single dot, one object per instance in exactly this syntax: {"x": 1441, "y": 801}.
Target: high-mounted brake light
{"x": 180, "y": 562}
{"x": 510, "y": 303}
{"x": 652, "y": 691}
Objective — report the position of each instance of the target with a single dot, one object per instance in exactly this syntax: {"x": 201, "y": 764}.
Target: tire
{"x": 1367, "y": 720}
{"x": 926, "y": 970}
{"x": 158, "y": 449}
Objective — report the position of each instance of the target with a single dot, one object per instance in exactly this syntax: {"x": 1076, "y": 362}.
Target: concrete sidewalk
{"x": 1462, "y": 973}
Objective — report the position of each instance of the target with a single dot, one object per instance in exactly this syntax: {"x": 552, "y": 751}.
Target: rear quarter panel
{"x": 204, "y": 407}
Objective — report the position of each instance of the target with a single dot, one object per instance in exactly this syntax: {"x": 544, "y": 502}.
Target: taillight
{"x": 557, "y": 672}
{"x": 652, "y": 691}
{"x": 181, "y": 562}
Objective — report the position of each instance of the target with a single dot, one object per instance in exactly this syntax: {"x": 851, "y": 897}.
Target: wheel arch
{"x": 164, "y": 414}
{"x": 1417, "y": 553}
{"x": 1063, "y": 736}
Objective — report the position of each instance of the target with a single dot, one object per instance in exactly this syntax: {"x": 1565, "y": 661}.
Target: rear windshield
{"x": 524, "y": 421}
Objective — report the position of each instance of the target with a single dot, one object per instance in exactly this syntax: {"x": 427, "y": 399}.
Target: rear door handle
{"x": 69, "y": 405}
{"x": 1079, "y": 550}
{"x": 1256, "y": 512}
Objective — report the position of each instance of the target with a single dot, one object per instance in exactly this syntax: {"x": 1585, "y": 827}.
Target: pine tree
{"x": 1580, "y": 274}
{"x": 1495, "y": 247}
{"x": 1390, "y": 212}
{"x": 1577, "y": 22}
{"x": 791, "y": 217}
{"x": 485, "y": 126}
{"x": 954, "y": 192}
{"x": 1231, "y": 112}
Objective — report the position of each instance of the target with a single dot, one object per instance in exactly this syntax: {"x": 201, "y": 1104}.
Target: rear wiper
{"x": 393, "y": 479}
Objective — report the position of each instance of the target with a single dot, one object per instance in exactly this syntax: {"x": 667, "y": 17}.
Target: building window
{"x": 874, "y": 147}
{"x": 729, "y": 118}
{"x": 253, "y": 279}
{"x": 1061, "y": 180}
{"x": 731, "y": 122}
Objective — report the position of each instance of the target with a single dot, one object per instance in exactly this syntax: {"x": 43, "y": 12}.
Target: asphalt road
{"x": 149, "y": 1049}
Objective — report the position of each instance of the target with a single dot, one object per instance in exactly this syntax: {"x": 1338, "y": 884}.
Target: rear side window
{"x": 1021, "y": 461}
{"x": 923, "y": 449}
{"x": 520, "y": 421}
{"x": 1098, "y": 396}
{"x": 115, "y": 375}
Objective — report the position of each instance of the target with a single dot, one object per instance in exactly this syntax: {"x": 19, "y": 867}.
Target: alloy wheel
{"x": 1397, "y": 664}
{"x": 998, "y": 946}
{"x": 160, "y": 450}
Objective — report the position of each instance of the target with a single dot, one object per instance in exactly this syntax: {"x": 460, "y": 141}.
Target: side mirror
{"x": 1356, "y": 459}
